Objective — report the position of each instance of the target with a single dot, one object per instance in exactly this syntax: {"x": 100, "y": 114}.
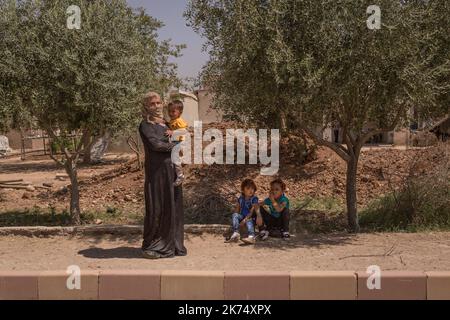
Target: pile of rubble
{"x": 20, "y": 184}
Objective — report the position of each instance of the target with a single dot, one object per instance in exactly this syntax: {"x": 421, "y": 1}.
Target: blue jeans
{"x": 237, "y": 218}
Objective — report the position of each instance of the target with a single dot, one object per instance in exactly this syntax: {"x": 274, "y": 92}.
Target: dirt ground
{"x": 39, "y": 170}
{"x": 393, "y": 251}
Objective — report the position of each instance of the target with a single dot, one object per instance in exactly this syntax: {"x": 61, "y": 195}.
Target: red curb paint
{"x": 130, "y": 285}
{"x": 395, "y": 285}
{"x": 438, "y": 285}
{"x": 53, "y": 286}
{"x": 235, "y": 285}
{"x": 256, "y": 285}
{"x": 192, "y": 285}
{"x": 18, "y": 285}
{"x": 323, "y": 285}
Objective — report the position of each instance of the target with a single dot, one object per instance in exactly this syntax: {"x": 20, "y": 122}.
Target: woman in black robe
{"x": 163, "y": 223}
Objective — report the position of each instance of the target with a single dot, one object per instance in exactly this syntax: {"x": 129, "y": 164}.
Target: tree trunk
{"x": 134, "y": 146}
{"x": 75, "y": 212}
{"x": 87, "y": 145}
{"x": 351, "y": 196}
{"x": 283, "y": 121}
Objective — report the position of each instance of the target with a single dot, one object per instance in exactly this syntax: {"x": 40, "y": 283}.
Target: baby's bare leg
{"x": 179, "y": 170}
{"x": 180, "y": 175}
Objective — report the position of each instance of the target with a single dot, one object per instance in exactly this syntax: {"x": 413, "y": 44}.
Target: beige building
{"x": 197, "y": 106}
{"x": 419, "y": 132}
{"x": 335, "y": 134}
{"x": 205, "y": 111}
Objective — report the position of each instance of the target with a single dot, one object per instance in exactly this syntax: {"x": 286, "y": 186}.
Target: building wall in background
{"x": 205, "y": 111}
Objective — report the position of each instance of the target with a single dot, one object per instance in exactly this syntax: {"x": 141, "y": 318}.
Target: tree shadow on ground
{"x": 20, "y": 167}
{"x": 131, "y": 238}
{"x": 46, "y": 164}
{"x": 34, "y": 217}
{"x": 301, "y": 241}
{"x": 295, "y": 242}
{"x": 51, "y": 217}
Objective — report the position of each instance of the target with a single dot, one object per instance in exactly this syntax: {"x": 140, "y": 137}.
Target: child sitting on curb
{"x": 244, "y": 212}
{"x": 274, "y": 211}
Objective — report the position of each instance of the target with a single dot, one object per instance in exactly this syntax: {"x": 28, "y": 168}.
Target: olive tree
{"x": 310, "y": 65}
{"x": 80, "y": 79}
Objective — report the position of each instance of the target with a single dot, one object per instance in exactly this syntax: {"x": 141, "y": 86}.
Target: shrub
{"x": 422, "y": 203}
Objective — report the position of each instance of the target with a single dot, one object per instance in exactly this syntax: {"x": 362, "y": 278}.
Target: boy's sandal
{"x": 248, "y": 241}
{"x": 231, "y": 239}
{"x": 286, "y": 236}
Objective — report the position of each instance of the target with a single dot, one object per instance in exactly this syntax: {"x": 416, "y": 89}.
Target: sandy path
{"x": 421, "y": 251}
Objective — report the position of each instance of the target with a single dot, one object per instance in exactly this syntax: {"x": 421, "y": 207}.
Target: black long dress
{"x": 163, "y": 223}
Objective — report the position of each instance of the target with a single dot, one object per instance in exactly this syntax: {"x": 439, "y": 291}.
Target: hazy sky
{"x": 170, "y": 12}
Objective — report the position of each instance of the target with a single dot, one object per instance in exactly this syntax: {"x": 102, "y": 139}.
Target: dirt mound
{"x": 210, "y": 191}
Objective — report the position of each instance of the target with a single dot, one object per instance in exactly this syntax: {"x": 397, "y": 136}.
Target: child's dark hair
{"x": 177, "y": 104}
{"x": 280, "y": 183}
{"x": 248, "y": 183}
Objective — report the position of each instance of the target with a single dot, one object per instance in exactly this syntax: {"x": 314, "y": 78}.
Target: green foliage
{"x": 312, "y": 65}
{"x": 423, "y": 204}
{"x": 67, "y": 143}
{"x": 433, "y": 57}
{"x": 82, "y": 81}
{"x": 52, "y": 217}
{"x": 90, "y": 78}
{"x": 316, "y": 62}
{"x": 34, "y": 217}
{"x": 326, "y": 204}
{"x": 114, "y": 216}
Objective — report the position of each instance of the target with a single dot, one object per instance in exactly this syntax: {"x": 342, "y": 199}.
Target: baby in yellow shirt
{"x": 177, "y": 124}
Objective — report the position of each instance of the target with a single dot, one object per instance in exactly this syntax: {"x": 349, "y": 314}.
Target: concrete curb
{"x": 221, "y": 285}
{"x": 94, "y": 230}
